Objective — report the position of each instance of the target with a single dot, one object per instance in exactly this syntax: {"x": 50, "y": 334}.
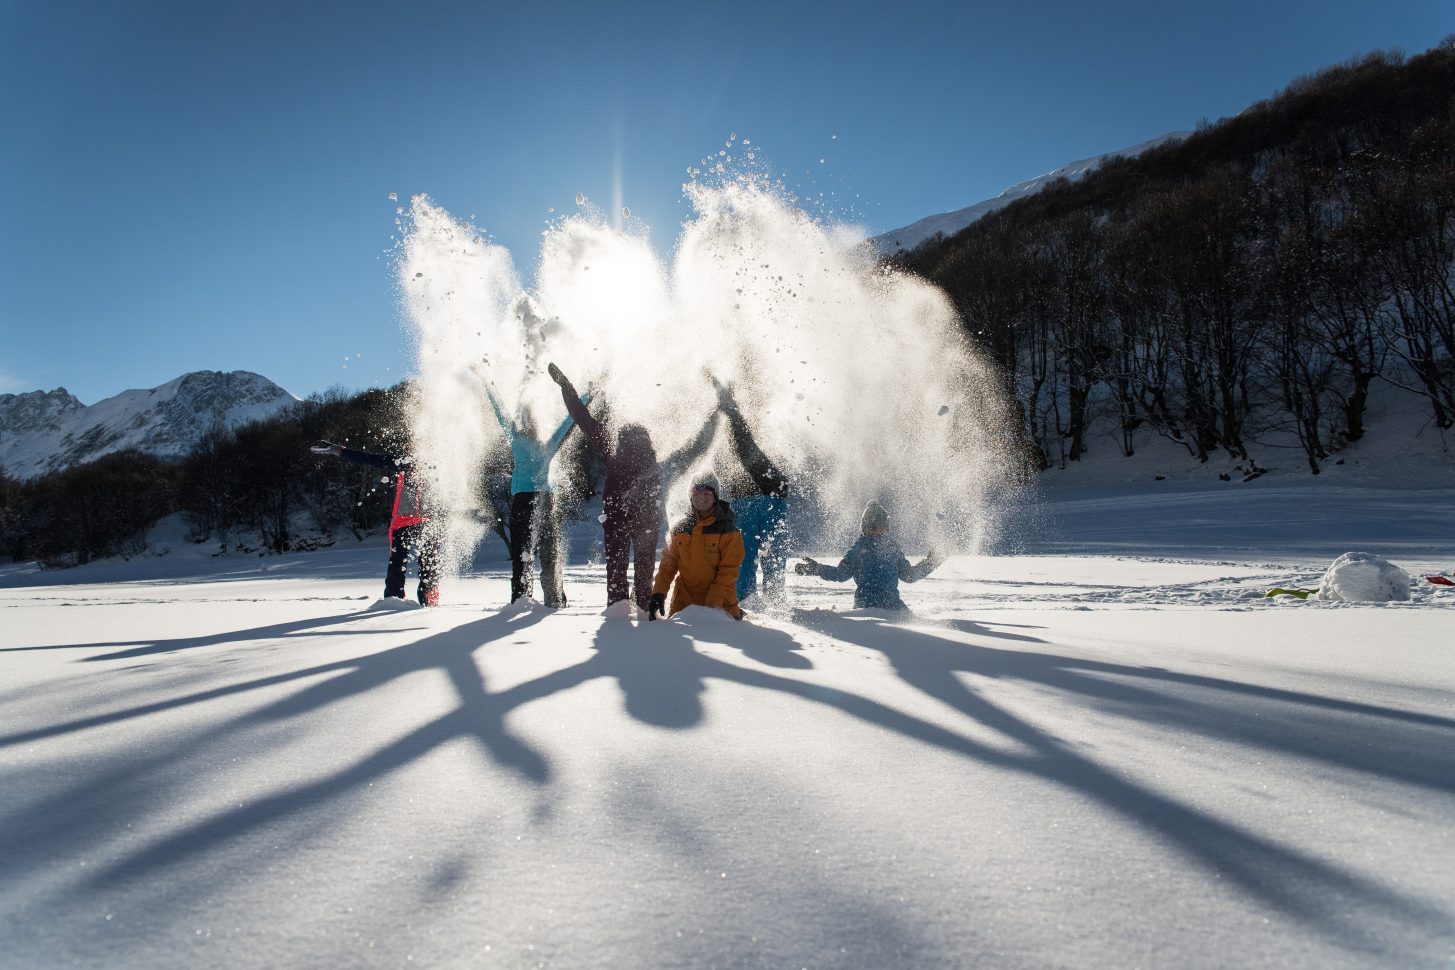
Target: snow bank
{"x": 1362, "y": 577}
{"x": 394, "y": 604}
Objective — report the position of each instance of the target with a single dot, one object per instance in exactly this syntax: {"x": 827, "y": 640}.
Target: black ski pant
{"x": 633, "y": 534}
{"x": 419, "y": 541}
{"x": 535, "y": 528}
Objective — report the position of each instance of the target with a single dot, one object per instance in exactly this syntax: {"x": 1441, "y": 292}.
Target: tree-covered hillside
{"x": 1253, "y": 279}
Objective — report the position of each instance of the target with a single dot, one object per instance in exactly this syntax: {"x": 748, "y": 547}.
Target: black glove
{"x": 806, "y": 568}
{"x": 657, "y": 606}
{"x": 556, "y": 375}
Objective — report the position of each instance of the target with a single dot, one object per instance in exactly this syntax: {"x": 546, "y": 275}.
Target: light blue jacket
{"x": 531, "y": 458}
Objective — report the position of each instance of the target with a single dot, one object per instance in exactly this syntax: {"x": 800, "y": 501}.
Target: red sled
{"x": 1441, "y": 580}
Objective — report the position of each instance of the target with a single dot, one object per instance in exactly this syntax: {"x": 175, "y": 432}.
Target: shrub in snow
{"x": 1362, "y": 577}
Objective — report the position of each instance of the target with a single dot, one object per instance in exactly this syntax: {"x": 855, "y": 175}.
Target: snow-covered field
{"x": 1108, "y": 751}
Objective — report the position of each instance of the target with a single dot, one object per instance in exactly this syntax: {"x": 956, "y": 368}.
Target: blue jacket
{"x": 876, "y": 564}
{"x": 531, "y": 458}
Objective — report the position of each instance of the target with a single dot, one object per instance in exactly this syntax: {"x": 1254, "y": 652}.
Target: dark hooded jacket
{"x": 633, "y": 485}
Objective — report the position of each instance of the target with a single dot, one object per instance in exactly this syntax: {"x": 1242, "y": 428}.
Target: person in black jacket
{"x": 410, "y": 531}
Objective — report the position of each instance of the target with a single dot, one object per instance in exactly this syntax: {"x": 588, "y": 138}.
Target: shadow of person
{"x": 477, "y": 716}
{"x": 1299, "y": 884}
{"x": 755, "y": 637}
{"x": 143, "y": 648}
{"x": 995, "y": 630}
{"x": 658, "y": 670}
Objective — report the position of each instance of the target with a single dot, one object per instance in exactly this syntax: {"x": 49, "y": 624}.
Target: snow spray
{"x": 855, "y": 378}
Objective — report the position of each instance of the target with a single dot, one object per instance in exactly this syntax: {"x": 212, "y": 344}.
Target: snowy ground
{"x": 1108, "y": 751}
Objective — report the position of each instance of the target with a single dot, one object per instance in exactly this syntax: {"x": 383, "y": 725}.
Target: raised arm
{"x": 559, "y": 438}
{"x": 768, "y": 477}
{"x": 390, "y": 463}
{"x": 593, "y": 429}
{"x": 505, "y": 424}
{"x": 683, "y": 457}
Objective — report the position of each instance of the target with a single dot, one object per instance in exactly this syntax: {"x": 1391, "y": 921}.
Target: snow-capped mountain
{"x": 949, "y": 223}
{"x": 43, "y": 431}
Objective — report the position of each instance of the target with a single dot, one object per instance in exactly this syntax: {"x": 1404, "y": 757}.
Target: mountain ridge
{"x": 46, "y": 431}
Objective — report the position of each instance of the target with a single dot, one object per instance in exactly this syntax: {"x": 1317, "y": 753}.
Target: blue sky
{"x": 204, "y": 185}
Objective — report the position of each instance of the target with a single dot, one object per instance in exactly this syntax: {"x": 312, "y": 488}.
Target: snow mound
{"x": 620, "y": 610}
{"x": 703, "y": 616}
{"x": 394, "y": 603}
{"x": 1362, "y": 577}
{"x": 523, "y": 605}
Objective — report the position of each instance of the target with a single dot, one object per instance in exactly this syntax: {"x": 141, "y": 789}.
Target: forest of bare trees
{"x": 1257, "y": 277}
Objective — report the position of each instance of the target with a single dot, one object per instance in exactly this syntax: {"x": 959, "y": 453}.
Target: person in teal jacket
{"x": 760, "y": 503}
{"x": 875, "y": 563}
{"x": 535, "y": 525}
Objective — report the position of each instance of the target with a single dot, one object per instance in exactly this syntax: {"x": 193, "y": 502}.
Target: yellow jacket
{"x": 703, "y": 554}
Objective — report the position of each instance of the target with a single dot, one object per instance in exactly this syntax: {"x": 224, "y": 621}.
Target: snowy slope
{"x": 1112, "y": 752}
{"x": 949, "y": 223}
{"x": 45, "y": 431}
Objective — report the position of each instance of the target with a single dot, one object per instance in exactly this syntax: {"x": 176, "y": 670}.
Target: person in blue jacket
{"x": 875, "y": 563}
{"x": 535, "y": 525}
{"x": 760, "y": 503}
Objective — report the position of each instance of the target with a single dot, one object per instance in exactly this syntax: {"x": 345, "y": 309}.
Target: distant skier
{"x": 534, "y": 520}
{"x": 875, "y": 564}
{"x": 703, "y": 554}
{"x": 631, "y": 497}
{"x": 409, "y": 528}
{"x": 760, "y": 504}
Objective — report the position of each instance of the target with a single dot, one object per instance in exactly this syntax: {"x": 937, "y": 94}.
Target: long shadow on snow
{"x": 275, "y": 631}
{"x": 1281, "y": 876}
{"x": 662, "y": 677}
{"x": 1445, "y": 778}
{"x": 144, "y": 648}
{"x": 106, "y": 802}
{"x": 658, "y": 690}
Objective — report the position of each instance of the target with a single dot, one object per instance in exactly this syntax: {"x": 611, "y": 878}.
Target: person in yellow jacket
{"x": 704, "y": 552}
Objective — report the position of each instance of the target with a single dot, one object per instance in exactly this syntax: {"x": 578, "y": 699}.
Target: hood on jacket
{"x": 723, "y": 520}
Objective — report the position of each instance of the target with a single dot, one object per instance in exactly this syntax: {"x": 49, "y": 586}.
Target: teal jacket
{"x": 531, "y": 457}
